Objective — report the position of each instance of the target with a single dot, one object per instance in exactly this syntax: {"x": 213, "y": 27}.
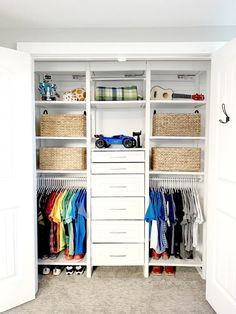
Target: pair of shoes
{"x": 78, "y": 270}
{"x": 56, "y": 270}
{"x": 163, "y": 255}
{"x": 77, "y": 257}
{"x": 168, "y": 270}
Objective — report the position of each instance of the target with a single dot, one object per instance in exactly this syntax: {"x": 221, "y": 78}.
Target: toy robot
{"x": 48, "y": 89}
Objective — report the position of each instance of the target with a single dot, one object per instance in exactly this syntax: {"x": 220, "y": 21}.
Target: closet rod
{"x": 176, "y": 179}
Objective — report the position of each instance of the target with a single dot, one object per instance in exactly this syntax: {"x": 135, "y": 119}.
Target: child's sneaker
{"x": 169, "y": 270}
{"x": 69, "y": 270}
{"x": 79, "y": 270}
{"x": 157, "y": 270}
{"x": 57, "y": 270}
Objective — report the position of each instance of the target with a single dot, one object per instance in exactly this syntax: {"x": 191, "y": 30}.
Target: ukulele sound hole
{"x": 165, "y": 95}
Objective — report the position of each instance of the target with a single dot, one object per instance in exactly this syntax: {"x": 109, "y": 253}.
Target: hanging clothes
{"x": 61, "y": 221}
{"x": 174, "y": 217}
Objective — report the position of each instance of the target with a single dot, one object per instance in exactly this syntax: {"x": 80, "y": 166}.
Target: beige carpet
{"x": 120, "y": 290}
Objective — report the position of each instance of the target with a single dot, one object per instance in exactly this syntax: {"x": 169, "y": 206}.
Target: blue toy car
{"x": 127, "y": 141}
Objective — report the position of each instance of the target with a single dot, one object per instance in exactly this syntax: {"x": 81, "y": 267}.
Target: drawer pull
{"x": 118, "y": 209}
{"x": 118, "y": 168}
{"x": 112, "y": 157}
{"x": 121, "y": 255}
{"x": 118, "y": 186}
{"x": 118, "y": 232}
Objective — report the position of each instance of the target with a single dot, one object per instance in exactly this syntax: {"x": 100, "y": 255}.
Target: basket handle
{"x": 45, "y": 112}
{"x": 196, "y": 111}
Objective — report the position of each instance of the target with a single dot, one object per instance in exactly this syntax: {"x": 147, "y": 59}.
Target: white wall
{"x": 9, "y": 37}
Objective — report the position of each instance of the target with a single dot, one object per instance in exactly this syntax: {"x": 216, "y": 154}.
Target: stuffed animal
{"x": 77, "y": 94}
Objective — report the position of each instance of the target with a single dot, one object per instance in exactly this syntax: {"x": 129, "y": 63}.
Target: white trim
{"x": 115, "y": 50}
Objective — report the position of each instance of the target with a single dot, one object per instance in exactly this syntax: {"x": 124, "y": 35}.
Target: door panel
{"x": 221, "y": 249}
{"x": 17, "y": 205}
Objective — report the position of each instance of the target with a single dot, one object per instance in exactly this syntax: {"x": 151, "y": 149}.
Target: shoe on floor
{"x": 157, "y": 270}
{"x": 57, "y": 270}
{"x": 46, "y": 270}
{"x": 169, "y": 270}
{"x": 79, "y": 270}
{"x": 69, "y": 270}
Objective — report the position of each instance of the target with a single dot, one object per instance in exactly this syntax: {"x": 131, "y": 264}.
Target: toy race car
{"x": 127, "y": 141}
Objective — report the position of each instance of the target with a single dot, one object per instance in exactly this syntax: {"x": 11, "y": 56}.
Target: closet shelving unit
{"x": 65, "y": 81}
{"x": 123, "y": 117}
{"x": 193, "y": 79}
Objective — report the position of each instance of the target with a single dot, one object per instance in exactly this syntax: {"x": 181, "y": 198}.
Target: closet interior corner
{"x": 103, "y": 198}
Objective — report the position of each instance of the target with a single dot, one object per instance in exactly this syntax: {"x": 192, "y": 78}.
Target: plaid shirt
{"x": 116, "y": 93}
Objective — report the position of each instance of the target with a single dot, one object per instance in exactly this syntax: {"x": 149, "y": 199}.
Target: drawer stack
{"x": 117, "y": 207}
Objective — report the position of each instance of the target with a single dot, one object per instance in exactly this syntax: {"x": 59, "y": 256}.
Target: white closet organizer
{"x": 118, "y": 178}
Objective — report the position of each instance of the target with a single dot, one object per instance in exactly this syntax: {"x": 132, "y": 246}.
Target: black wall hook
{"x": 227, "y": 117}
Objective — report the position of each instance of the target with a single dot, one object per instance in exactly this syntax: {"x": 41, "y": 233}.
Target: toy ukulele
{"x": 159, "y": 93}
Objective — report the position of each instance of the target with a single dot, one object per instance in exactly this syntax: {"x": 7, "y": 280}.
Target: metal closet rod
{"x": 183, "y": 179}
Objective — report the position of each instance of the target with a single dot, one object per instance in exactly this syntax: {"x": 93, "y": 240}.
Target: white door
{"x": 221, "y": 248}
{"x": 17, "y": 205}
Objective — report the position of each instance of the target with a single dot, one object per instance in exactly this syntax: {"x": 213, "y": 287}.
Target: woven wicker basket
{"x": 180, "y": 124}
{"x": 176, "y": 159}
{"x": 63, "y": 125}
{"x": 60, "y": 158}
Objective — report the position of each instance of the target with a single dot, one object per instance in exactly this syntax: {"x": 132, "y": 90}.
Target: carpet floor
{"x": 119, "y": 290}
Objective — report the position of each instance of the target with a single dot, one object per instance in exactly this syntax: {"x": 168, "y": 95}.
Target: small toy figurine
{"x": 48, "y": 89}
{"x": 126, "y": 141}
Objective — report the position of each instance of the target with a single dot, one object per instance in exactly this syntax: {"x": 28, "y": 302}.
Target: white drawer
{"x": 117, "y": 254}
{"x": 118, "y": 156}
{"x": 118, "y": 185}
{"x": 136, "y": 167}
{"x": 117, "y": 231}
{"x": 118, "y": 208}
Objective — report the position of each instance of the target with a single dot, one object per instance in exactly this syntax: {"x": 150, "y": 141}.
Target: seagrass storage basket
{"x": 62, "y": 158}
{"x": 176, "y": 124}
{"x": 176, "y": 159}
{"x": 64, "y": 125}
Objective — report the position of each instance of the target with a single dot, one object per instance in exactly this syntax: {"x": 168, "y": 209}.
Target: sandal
{"x": 79, "y": 270}
{"x": 69, "y": 270}
{"x": 157, "y": 270}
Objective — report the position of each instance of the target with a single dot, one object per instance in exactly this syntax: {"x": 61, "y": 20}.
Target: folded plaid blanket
{"x": 116, "y": 93}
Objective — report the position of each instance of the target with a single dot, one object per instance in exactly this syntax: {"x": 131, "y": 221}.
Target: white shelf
{"x": 131, "y": 78}
{"x": 60, "y": 138}
{"x": 172, "y": 261}
{"x": 202, "y": 138}
{"x": 60, "y": 260}
{"x": 118, "y": 104}
{"x": 61, "y": 171}
{"x": 117, "y": 149}
{"x": 151, "y": 172}
{"x": 176, "y": 104}
{"x": 60, "y": 104}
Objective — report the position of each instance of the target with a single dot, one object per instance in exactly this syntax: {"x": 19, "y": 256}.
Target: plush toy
{"x": 77, "y": 94}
